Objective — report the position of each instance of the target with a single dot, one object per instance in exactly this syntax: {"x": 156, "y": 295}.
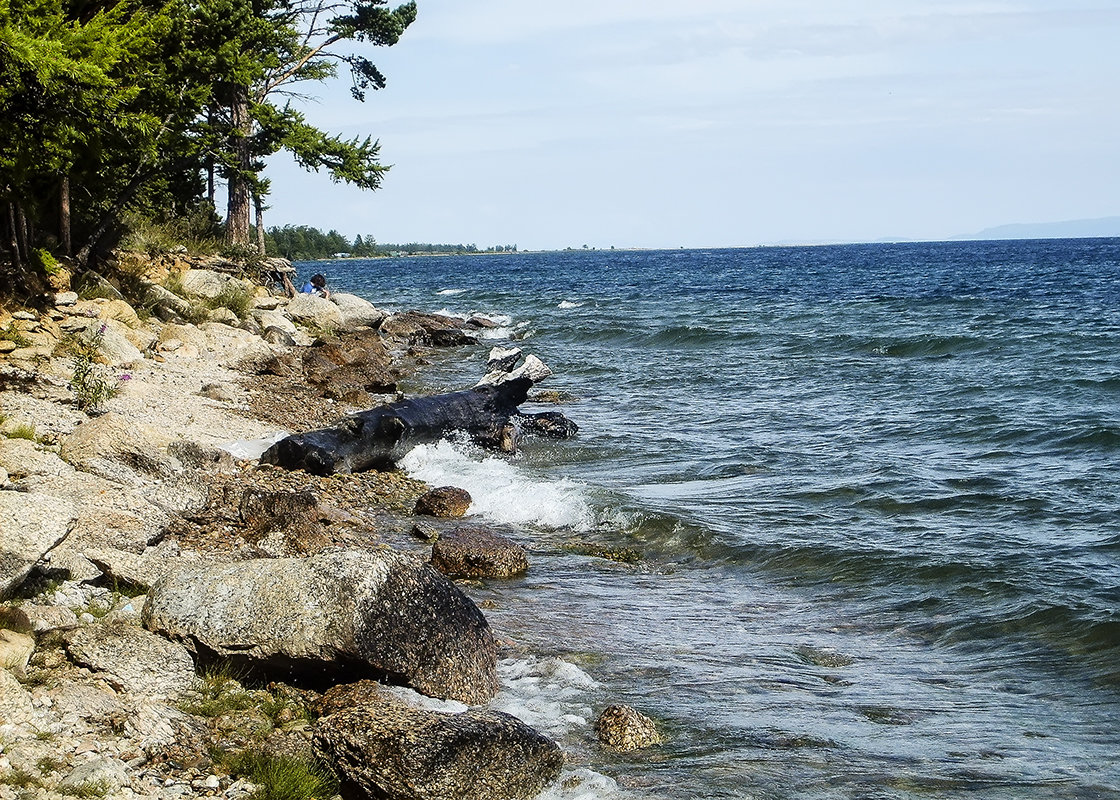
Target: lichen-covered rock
{"x": 30, "y": 526}
{"x": 385, "y": 748}
{"x": 472, "y": 551}
{"x": 437, "y": 330}
{"x": 22, "y": 457}
{"x": 96, "y": 777}
{"x": 624, "y": 729}
{"x": 204, "y": 282}
{"x": 334, "y": 616}
{"x": 282, "y": 523}
{"x": 133, "y": 660}
{"x": 444, "y": 501}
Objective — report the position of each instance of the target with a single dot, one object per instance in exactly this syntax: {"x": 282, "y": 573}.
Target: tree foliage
{"x": 111, "y": 108}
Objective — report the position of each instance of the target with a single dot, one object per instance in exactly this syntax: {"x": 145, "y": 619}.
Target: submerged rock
{"x": 387, "y": 749}
{"x": 333, "y": 617}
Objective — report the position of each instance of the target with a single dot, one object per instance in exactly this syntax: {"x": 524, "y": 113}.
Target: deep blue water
{"x": 877, "y": 490}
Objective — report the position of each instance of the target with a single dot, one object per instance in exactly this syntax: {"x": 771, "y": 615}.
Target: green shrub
{"x": 196, "y": 232}
{"x": 89, "y": 384}
{"x": 14, "y": 335}
{"x": 219, "y": 692}
{"x": 234, "y": 297}
{"x": 45, "y": 260}
{"x": 20, "y": 778}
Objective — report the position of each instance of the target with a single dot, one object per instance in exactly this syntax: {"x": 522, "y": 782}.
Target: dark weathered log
{"x": 378, "y": 437}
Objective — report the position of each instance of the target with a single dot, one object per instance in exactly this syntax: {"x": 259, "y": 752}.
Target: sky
{"x": 714, "y": 123}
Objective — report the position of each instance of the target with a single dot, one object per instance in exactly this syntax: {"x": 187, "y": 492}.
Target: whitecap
{"x": 500, "y": 490}
{"x": 451, "y": 291}
{"x": 565, "y": 304}
{"x": 550, "y": 694}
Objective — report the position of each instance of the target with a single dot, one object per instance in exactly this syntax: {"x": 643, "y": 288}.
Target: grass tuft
{"x": 88, "y": 789}
{"x": 283, "y": 777}
{"x": 25, "y": 430}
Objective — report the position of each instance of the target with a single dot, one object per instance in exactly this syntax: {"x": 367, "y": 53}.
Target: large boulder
{"x": 21, "y": 457}
{"x": 388, "y": 749}
{"x": 447, "y": 502}
{"x": 30, "y": 526}
{"x": 16, "y": 710}
{"x": 357, "y": 312}
{"x": 380, "y": 614}
{"x": 316, "y": 312}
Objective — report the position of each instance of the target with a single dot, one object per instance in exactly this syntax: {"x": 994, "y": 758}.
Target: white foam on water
{"x": 555, "y": 697}
{"x": 582, "y": 784}
{"x": 499, "y": 489}
{"x": 550, "y": 694}
{"x": 565, "y": 304}
{"x": 451, "y": 291}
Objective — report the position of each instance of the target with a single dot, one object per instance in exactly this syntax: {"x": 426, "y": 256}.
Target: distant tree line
{"x": 305, "y": 243}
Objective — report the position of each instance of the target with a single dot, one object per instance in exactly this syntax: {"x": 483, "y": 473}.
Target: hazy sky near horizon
{"x": 647, "y": 123}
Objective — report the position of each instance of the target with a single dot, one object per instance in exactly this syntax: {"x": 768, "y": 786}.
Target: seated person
{"x": 317, "y": 285}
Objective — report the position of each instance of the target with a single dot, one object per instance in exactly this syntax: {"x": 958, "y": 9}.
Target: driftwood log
{"x": 377, "y": 438}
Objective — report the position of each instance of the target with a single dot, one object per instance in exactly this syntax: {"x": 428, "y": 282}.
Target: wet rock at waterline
{"x": 624, "y": 729}
{"x": 331, "y": 618}
{"x": 446, "y": 502}
{"x": 384, "y": 748}
{"x": 472, "y": 551}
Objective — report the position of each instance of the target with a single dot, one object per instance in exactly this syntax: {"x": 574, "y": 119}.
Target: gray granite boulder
{"x": 118, "y": 448}
{"x": 333, "y": 617}
{"x": 30, "y": 526}
{"x": 385, "y": 748}
{"x": 132, "y": 659}
{"x": 357, "y": 312}
{"x": 315, "y": 311}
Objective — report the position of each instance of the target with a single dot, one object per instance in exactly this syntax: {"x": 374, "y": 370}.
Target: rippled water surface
{"x": 877, "y": 493}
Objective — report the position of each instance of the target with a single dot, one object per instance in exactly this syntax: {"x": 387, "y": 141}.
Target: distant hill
{"x": 1070, "y": 229}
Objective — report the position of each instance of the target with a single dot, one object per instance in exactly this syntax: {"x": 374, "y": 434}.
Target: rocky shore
{"x": 179, "y": 620}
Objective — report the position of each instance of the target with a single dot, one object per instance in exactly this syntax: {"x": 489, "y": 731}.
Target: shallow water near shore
{"x": 877, "y": 491}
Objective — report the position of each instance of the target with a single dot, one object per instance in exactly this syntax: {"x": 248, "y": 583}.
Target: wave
{"x": 499, "y": 490}
{"x": 566, "y": 304}
{"x": 450, "y": 292}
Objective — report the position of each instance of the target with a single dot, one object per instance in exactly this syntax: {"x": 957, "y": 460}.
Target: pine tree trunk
{"x": 64, "y": 215}
{"x": 22, "y": 229}
{"x": 260, "y": 223}
{"x": 17, "y": 260}
{"x": 237, "y": 212}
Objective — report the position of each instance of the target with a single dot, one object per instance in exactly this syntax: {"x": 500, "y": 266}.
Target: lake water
{"x": 876, "y": 490}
